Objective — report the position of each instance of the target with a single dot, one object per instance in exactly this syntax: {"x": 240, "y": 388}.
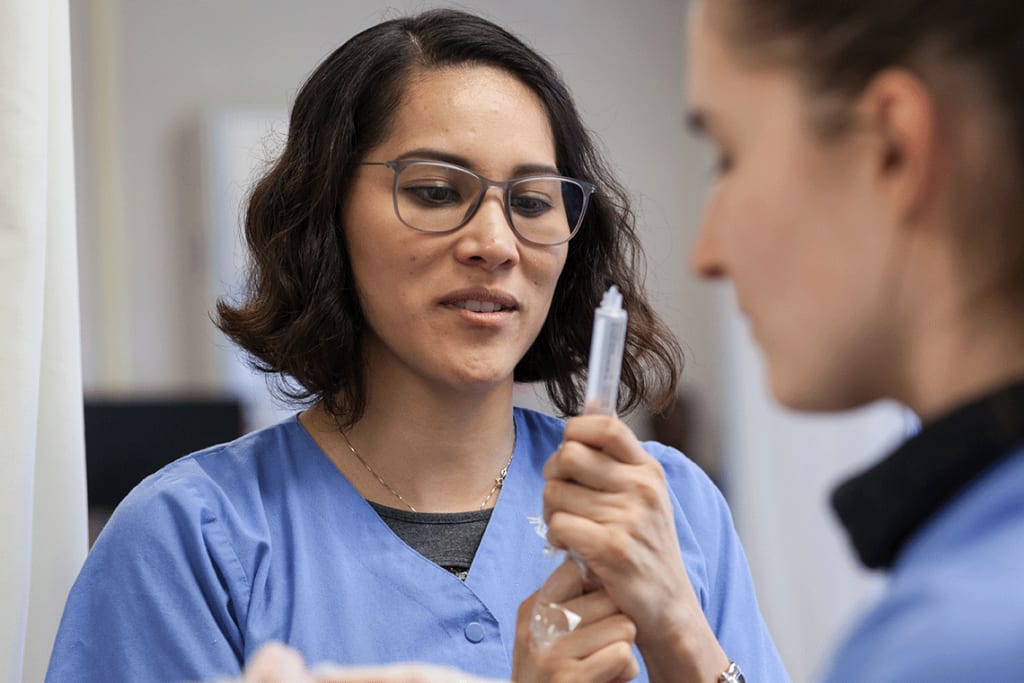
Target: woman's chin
{"x": 805, "y": 395}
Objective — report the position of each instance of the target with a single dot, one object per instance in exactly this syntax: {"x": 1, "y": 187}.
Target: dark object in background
{"x": 127, "y": 440}
{"x": 677, "y": 427}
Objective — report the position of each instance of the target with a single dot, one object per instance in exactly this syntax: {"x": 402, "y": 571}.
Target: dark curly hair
{"x": 301, "y": 319}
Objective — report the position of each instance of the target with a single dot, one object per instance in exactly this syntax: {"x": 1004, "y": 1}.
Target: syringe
{"x": 550, "y": 620}
{"x": 607, "y": 343}
{"x": 606, "y": 346}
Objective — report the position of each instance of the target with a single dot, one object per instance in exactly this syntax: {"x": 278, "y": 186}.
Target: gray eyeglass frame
{"x": 399, "y": 165}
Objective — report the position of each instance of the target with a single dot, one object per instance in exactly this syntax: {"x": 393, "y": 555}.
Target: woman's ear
{"x": 901, "y": 113}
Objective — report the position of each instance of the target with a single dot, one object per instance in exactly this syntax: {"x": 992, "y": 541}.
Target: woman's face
{"x": 794, "y": 222}
{"x": 427, "y": 298}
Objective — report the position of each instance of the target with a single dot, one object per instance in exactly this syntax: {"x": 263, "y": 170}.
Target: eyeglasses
{"x": 435, "y": 196}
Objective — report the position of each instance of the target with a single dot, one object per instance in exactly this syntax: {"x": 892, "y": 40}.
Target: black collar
{"x": 883, "y": 507}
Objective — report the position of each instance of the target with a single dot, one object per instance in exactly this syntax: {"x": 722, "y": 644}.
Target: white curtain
{"x": 43, "y": 525}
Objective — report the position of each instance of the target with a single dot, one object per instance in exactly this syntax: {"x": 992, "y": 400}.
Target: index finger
{"x": 563, "y": 584}
{"x": 608, "y": 434}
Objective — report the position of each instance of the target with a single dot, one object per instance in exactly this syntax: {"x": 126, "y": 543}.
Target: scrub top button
{"x": 474, "y": 632}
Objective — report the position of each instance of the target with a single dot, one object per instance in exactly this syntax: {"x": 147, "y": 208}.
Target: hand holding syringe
{"x": 551, "y": 621}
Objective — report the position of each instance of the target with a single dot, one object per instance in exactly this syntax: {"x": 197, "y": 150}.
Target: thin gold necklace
{"x": 499, "y": 480}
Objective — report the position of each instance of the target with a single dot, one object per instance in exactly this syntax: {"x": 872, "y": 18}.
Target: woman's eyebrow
{"x": 434, "y": 155}
{"x": 438, "y": 155}
{"x": 534, "y": 169}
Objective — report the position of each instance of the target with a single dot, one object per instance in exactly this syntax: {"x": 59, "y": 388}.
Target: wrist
{"x": 689, "y": 653}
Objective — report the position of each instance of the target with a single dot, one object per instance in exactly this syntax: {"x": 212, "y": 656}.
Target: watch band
{"x": 732, "y": 674}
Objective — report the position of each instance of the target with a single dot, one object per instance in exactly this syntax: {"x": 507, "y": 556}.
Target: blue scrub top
{"x": 264, "y": 538}
{"x": 953, "y": 610}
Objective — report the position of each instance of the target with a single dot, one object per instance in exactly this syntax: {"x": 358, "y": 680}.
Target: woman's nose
{"x": 705, "y": 253}
{"x": 488, "y": 240}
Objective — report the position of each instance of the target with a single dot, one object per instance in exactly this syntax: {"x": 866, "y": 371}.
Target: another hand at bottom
{"x": 599, "y": 649}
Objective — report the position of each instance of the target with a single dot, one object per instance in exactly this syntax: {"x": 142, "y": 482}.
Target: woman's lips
{"x": 481, "y": 301}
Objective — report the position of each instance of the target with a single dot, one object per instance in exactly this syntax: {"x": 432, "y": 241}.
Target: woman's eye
{"x": 715, "y": 158}
{"x": 530, "y": 206}
{"x": 723, "y": 164}
{"x": 434, "y": 195}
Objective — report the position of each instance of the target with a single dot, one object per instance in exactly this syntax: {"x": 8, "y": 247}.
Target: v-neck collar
{"x": 509, "y": 532}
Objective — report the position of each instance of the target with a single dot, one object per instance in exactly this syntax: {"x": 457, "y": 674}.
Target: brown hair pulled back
{"x": 838, "y": 46}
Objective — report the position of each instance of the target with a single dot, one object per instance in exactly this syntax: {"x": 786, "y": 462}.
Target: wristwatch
{"x": 732, "y": 674}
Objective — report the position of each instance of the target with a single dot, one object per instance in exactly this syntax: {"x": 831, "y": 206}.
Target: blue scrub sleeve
{"x": 158, "y": 598}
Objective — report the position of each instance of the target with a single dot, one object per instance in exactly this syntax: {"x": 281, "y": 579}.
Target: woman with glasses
{"x": 867, "y": 208}
{"x": 438, "y": 227}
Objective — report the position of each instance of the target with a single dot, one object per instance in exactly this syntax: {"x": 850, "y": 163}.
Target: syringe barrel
{"x": 606, "y": 348}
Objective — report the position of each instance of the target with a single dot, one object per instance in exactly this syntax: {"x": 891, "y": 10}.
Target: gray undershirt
{"x": 449, "y": 539}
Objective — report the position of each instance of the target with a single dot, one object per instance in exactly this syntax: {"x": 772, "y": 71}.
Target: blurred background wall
{"x": 176, "y": 101}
